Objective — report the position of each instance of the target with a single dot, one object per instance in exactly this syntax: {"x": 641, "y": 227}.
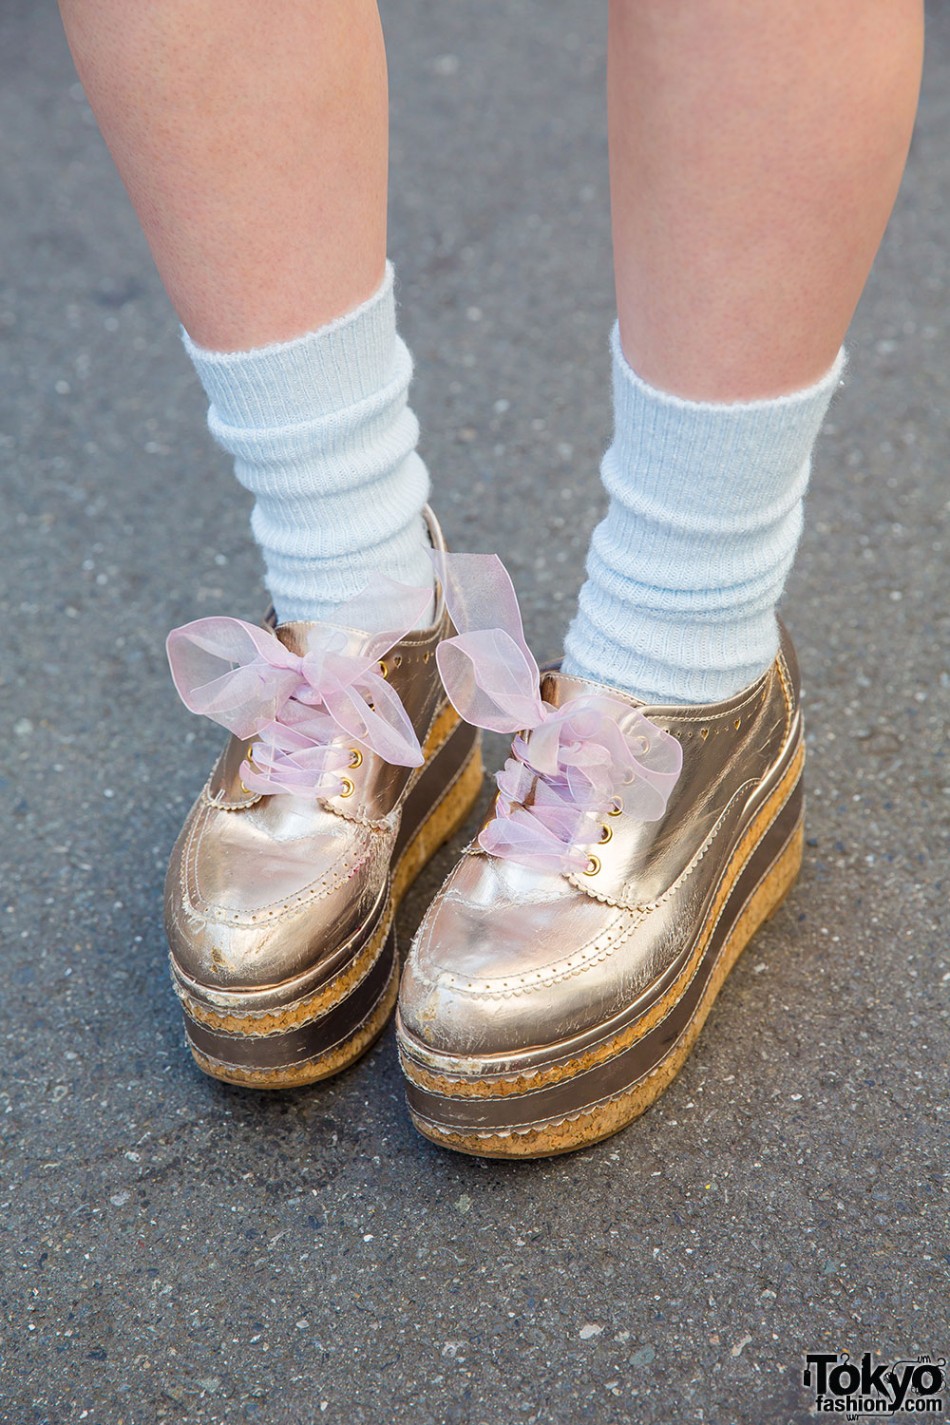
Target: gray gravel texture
{"x": 175, "y": 1251}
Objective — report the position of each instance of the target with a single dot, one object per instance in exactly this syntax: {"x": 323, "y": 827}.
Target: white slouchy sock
{"x": 704, "y": 518}
{"x": 323, "y": 437}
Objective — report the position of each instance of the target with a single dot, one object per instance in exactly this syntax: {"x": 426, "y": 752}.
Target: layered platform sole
{"x": 572, "y": 1094}
{"x": 322, "y": 1023}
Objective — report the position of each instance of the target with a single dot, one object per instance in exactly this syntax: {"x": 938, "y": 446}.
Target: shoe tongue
{"x": 296, "y": 637}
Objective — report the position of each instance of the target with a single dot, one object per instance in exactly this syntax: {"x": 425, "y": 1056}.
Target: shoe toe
{"x": 496, "y": 965}
{"x": 247, "y": 909}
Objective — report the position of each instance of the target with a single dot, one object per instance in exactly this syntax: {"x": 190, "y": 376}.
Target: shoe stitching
{"x": 551, "y": 975}
{"x": 516, "y": 985}
{"x": 318, "y": 889}
{"x": 674, "y": 1004}
{"x": 785, "y": 678}
{"x": 444, "y": 795}
{"x": 223, "y": 802}
{"x": 768, "y": 682}
{"x": 394, "y": 817}
{"x": 687, "y": 870}
{"x": 554, "y": 974}
{"x": 758, "y": 693}
{"x": 757, "y": 689}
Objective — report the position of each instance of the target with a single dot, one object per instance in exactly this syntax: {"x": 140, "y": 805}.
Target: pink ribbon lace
{"x": 569, "y": 765}
{"x": 306, "y": 711}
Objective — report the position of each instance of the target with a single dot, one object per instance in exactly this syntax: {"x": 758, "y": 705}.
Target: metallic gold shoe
{"x": 564, "y": 971}
{"x": 346, "y": 770}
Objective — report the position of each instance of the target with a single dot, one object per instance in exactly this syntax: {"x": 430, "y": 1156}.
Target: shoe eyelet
{"x": 606, "y": 834}
{"x": 346, "y": 787}
{"x": 383, "y": 670}
{"x": 356, "y": 757}
{"x": 738, "y": 723}
{"x": 617, "y": 807}
{"x": 249, "y": 753}
{"x": 592, "y": 867}
{"x": 246, "y": 790}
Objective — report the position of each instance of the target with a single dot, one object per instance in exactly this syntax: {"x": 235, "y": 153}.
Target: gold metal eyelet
{"x": 617, "y": 807}
{"x": 384, "y": 671}
{"x": 592, "y": 867}
{"x": 738, "y": 723}
{"x": 248, "y": 757}
{"x": 606, "y": 834}
{"x": 346, "y": 787}
{"x": 356, "y": 757}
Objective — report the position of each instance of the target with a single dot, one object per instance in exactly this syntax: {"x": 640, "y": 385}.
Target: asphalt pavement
{"x": 173, "y": 1250}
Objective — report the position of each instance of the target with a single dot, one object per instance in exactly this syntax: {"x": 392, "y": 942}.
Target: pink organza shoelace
{"x": 305, "y": 711}
{"x": 568, "y": 765}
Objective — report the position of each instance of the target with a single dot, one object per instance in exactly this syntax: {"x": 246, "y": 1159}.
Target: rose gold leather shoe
{"x": 347, "y": 768}
{"x": 564, "y": 971}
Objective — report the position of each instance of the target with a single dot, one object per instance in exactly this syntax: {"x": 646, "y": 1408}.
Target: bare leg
{"x": 253, "y": 140}
{"x": 755, "y": 151}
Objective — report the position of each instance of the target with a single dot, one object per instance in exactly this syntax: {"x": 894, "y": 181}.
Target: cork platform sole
{"x": 325, "y": 1031}
{"x": 579, "y": 1101}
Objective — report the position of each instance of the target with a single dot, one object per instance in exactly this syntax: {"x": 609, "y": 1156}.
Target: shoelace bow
{"x": 308, "y": 713}
{"x": 570, "y": 766}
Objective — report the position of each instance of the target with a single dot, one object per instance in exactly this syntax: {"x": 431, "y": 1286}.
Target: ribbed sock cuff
{"x": 704, "y": 518}
{"x": 289, "y": 382}
{"x": 322, "y": 435}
